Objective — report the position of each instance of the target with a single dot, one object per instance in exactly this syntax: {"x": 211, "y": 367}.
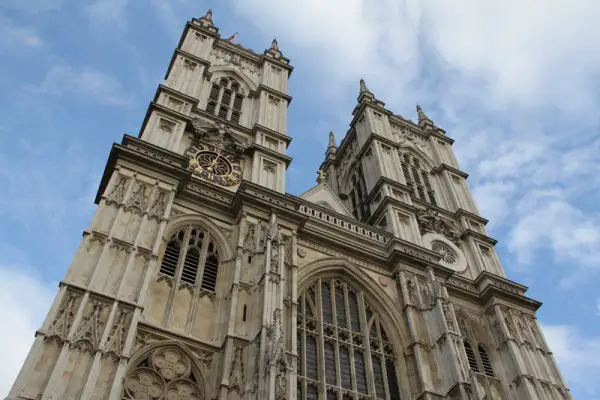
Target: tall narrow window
{"x": 471, "y": 357}
{"x": 186, "y": 259}
{"x": 333, "y": 326}
{"x": 417, "y": 178}
{"x": 485, "y": 361}
{"x": 225, "y": 100}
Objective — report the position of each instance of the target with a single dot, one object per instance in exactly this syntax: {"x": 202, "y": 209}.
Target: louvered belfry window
{"x": 340, "y": 340}
{"x": 225, "y": 100}
{"x": 417, "y": 178}
{"x": 478, "y": 361}
{"x": 192, "y": 257}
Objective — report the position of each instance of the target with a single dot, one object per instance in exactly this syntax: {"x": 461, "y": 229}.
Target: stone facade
{"x": 200, "y": 278}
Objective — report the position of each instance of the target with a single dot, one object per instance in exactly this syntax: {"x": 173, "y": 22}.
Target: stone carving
{"x": 431, "y": 221}
{"x": 276, "y": 346}
{"x": 412, "y": 294}
{"x": 165, "y": 374}
{"x": 87, "y": 338}
{"x": 446, "y": 253}
{"x": 118, "y": 334}
{"x": 281, "y": 381}
{"x": 137, "y": 201}
{"x": 204, "y": 357}
{"x": 287, "y": 249}
{"x": 321, "y": 176}
{"x": 250, "y": 239}
{"x": 117, "y": 194}
{"x": 448, "y": 316}
{"x": 157, "y": 209}
{"x": 224, "y": 57}
{"x": 206, "y": 20}
{"x": 59, "y": 328}
{"x": 236, "y": 374}
{"x": 219, "y": 135}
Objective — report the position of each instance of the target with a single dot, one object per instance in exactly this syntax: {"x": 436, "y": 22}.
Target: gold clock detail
{"x": 215, "y": 166}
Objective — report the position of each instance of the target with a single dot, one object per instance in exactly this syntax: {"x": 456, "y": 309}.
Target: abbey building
{"x": 200, "y": 278}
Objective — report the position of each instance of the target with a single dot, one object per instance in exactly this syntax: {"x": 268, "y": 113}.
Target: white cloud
{"x": 96, "y": 86}
{"x": 25, "y": 299}
{"x": 110, "y": 12}
{"x": 577, "y": 356}
{"x": 498, "y": 76}
{"x": 13, "y": 35}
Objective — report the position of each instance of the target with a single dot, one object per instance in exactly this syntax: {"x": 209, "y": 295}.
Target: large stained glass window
{"x": 344, "y": 351}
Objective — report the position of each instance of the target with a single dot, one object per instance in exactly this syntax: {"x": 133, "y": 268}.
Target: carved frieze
{"x": 118, "y": 333}
{"x": 61, "y": 325}
{"x": 137, "y": 201}
{"x": 117, "y": 194}
{"x": 224, "y": 57}
{"x": 431, "y": 221}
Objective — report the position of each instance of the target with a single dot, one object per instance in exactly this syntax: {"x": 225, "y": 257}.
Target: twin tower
{"x": 200, "y": 278}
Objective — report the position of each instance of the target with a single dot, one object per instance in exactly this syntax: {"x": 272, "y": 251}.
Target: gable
{"x": 324, "y": 196}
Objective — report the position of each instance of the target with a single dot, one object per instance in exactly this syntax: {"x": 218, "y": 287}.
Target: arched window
{"x": 340, "y": 338}
{"x": 192, "y": 257}
{"x": 485, "y": 361}
{"x": 225, "y": 100}
{"x": 417, "y": 178}
{"x": 165, "y": 373}
{"x": 479, "y": 361}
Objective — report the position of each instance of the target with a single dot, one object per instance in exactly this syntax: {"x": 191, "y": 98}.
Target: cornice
{"x": 172, "y": 91}
{"x": 185, "y": 54}
{"x": 155, "y": 106}
{"x": 256, "y": 128}
{"x": 462, "y": 212}
{"x": 146, "y": 155}
{"x": 272, "y": 153}
{"x": 273, "y": 92}
{"x": 479, "y": 236}
{"x": 445, "y": 167}
{"x": 492, "y": 287}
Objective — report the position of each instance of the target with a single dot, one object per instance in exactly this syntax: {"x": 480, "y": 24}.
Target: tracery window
{"x": 165, "y": 373}
{"x": 192, "y": 257}
{"x": 478, "y": 361}
{"x": 417, "y": 178}
{"x": 225, "y": 100}
{"x": 343, "y": 350}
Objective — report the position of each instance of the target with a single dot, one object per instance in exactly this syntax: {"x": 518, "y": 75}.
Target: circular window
{"x": 448, "y": 255}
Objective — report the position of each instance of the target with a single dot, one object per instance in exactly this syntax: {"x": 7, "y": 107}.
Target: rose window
{"x": 448, "y": 255}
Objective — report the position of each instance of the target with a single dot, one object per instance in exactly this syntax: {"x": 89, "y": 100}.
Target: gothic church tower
{"x": 201, "y": 278}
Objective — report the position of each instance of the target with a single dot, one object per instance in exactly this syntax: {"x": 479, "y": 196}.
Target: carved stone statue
{"x": 321, "y": 176}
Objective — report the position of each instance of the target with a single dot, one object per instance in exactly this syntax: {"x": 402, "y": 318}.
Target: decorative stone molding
{"x": 342, "y": 223}
{"x": 431, "y": 221}
{"x": 451, "y": 256}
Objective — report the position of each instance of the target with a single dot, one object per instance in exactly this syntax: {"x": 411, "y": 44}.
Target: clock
{"x": 215, "y": 166}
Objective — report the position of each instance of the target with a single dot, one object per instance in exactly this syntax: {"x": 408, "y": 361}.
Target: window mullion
{"x": 203, "y": 253}
{"x": 320, "y": 343}
{"x": 219, "y": 104}
{"x": 367, "y": 343}
{"x": 184, "y": 249}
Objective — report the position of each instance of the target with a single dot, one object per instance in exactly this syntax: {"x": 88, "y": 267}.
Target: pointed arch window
{"x": 191, "y": 257}
{"x": 343, "y": 349}
{"x": 225, "y": 100}
{"x": 417, "y": 178}
{"x": 479, "y": 361}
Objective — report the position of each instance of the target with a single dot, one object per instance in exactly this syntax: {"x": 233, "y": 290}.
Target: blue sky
{"x": 516, "y": 84}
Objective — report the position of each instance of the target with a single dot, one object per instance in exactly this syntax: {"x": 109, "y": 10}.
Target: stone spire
{"x": 274, "y": 50}
{"x": 331, "y": 140}
{"x": 365, "y": 93}
{"x": 424, "y": 120}
{"x": 206, "y": 20}
{"x": 331, "y": 147}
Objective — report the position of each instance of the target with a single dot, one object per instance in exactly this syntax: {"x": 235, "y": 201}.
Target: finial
{"x": 321, "y": 176}
{"x": 231, "y": 38}
{"x": 331, "y": 139}
{"x": 423, "y": 118}
{"x": 363, "y": 86}
{"x": 206, "y": 20}
{"x": 274, "y": 45}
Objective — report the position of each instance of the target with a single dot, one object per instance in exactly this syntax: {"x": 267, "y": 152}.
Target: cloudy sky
{"x": 515, "y": 83}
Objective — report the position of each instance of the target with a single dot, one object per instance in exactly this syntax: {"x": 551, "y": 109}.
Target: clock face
{"x": 215, "y": 166}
